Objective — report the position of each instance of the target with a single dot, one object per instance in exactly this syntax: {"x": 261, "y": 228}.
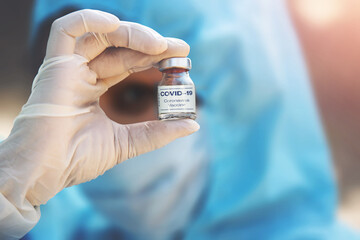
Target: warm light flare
{"x": 320, "y": 12}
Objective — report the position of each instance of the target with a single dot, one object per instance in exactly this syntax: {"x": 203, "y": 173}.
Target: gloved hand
{"x": 62, "y": 137}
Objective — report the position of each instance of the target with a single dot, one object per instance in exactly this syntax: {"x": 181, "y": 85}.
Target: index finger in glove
{"x": 128, "y": 35}
{"x": 115, "y": 64}
{"x": 65, "y": 30}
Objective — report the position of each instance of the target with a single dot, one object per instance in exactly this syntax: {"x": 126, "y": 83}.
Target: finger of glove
{"x": 139, "y": 138}
{"x": 128, "y": 35}
{"x": 115, "y": 64}
{"x": 64, "y": 30}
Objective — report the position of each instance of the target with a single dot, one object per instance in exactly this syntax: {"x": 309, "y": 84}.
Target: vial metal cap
{"x": 175, "y": 62}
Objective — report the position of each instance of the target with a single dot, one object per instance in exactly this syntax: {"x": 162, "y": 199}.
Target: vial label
{"x": 180, "y": 98}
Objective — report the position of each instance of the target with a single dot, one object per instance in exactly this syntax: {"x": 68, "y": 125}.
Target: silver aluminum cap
{"x": 175, "y": 62}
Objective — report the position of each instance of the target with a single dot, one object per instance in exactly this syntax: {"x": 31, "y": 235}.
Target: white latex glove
{"x": 62, "y": 137}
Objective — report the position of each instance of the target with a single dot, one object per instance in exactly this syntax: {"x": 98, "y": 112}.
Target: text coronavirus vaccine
{"x": 176, "y": 90}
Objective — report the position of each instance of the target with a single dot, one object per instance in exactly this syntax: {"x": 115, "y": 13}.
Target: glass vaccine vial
{"x": 176, "y": 90}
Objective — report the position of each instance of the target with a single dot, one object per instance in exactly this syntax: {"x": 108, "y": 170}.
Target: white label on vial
{"x": 179, "y": 98}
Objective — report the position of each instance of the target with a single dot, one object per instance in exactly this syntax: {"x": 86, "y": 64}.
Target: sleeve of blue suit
{"x": 269, "y": 172}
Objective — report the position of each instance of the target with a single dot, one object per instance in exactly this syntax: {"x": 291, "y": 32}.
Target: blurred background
{"x": 329, "y": 31}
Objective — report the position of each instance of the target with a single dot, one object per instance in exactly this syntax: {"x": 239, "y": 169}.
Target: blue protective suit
{"x": 266, "y": 172}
